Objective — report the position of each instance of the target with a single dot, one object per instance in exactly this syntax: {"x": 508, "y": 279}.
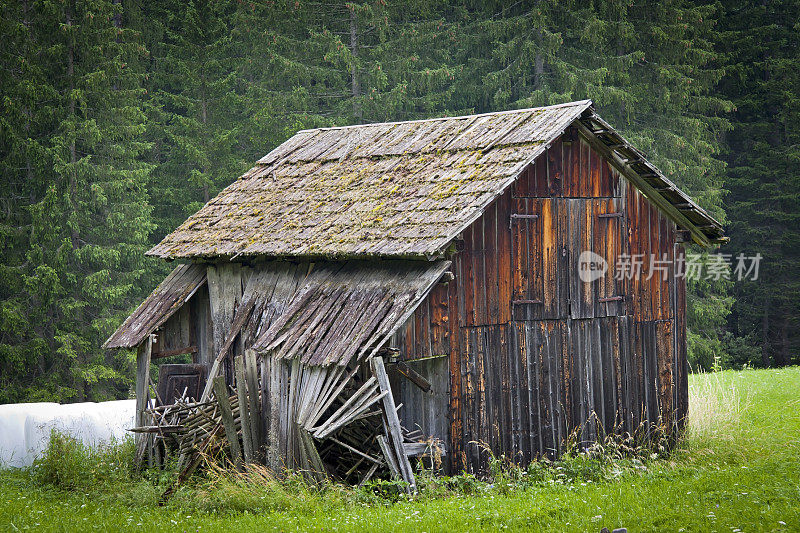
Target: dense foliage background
{"x": 119, "y": 118}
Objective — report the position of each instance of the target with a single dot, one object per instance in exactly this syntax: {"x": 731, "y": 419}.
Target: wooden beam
{"x": 178, "y": 351}
{"x": 143, "y": 352}
{"x": 393, "y": 423}
{"x": 415, "y": 377}
{"x": 226, "y": 413}
{"x": 649, "y": 191}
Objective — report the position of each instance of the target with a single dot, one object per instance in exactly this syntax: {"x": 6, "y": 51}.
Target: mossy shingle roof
{"x": 402, "y": 189}
{"x": 390, "y": 189}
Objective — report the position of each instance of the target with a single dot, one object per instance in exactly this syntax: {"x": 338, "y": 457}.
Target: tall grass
{"x": 68, "y": 464}
{"x": 716, "y": 408}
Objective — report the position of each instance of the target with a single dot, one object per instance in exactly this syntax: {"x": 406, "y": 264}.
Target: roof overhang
{"x": 631, "y": 163}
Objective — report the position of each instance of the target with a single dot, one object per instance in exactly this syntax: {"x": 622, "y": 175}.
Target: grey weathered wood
{"x": 395, "y": 431}
{"x": 388, "y": 454}
{"x": 244, "y": 411}
{"x": 251, "y": 370}
{"x": 221, "y": 393}
{"x": 168, "y": 298}
{"x": 274, "y": 392}
{"x": 357, "y": 452}
{"x": 368, "y": 475}
{"x": 352, "y": 403}
{"x": 143, "y": 353}
{"x": 312, "y": 458}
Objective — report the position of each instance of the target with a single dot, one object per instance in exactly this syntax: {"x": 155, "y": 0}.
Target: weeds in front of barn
{"x": 736, "y": 469}
{"x": 68, "y": 465}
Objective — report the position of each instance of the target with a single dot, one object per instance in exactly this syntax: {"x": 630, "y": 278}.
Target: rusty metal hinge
{"x": 518, "y": 216}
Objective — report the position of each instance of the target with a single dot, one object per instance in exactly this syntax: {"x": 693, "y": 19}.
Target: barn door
{"x": 595, "y": 243}
{"x": 539, "y": 258}
{"x": 174, "y": 380}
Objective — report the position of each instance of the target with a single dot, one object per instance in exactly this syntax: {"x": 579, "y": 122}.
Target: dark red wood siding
{"x": 536, "y": 354}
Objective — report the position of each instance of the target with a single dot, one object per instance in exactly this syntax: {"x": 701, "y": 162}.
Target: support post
{"x": 143, "y": 353}
{"x": 244, "y": 408}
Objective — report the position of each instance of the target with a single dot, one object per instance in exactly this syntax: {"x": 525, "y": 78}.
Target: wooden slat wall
{"x": 424, "y": 410}
{"x": 524, "y": 376}
{"x": 200, "y": 312}
{"x": 569, "y": 169}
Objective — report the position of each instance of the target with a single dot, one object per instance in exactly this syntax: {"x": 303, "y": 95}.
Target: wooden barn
{"x": 396, "y": 285}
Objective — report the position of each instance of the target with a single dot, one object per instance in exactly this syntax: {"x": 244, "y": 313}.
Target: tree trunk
{"x": 783, "y": 355}
{"x": 765, "y": 334}
{"x": 73, "y": 157}
{"x": 355, "y": 85}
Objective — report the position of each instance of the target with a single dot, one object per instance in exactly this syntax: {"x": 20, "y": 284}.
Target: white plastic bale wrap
{"x": 25, "y": 427}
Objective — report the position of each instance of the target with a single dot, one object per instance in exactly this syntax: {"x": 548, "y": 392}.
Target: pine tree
{"x": 764, "y": 176}
{"x": 196, "y": 110}
{"x": 26, "y": 114}
{"x": 89, "y": 219}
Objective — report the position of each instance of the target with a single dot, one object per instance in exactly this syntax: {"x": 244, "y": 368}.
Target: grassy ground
{"x": 737, "y": 470}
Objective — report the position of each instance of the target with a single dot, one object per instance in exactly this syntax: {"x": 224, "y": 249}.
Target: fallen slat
{"x": 395, "y": 432}
{"x": 221, "y": 392}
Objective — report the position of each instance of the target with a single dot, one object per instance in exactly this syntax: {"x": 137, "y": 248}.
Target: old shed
{"x": 402, "y": 284}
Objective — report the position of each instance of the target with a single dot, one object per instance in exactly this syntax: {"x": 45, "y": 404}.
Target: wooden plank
{"x": 555, "y": 175}
{"x": 251, "y": 371}
{"x": 515, "y": 393}
{"x": 456, "y": 459}
{"x": 503, "y": 256}
{"x": 519, "y": 253}
{"x": 226, "y": 413}
{"x": 479, "y": 281}
{"x": 547, "y": 253}
{"x": 143, "y": 352}
{"x": 572, "y": 160}
{"x": 468, "y": 281}
{"x": 490, "y": 256}
{"x": 244, "y": 411}
{"x": 395, "y": 431}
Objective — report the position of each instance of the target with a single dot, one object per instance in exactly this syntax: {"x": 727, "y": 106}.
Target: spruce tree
{"x": 195, "y": 107}
{"x": 763, "y": 43}
{"x": 88, "y": 217}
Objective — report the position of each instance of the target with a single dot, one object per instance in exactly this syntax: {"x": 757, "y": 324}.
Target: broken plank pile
{"x": 187, "y": 428}
{"x": 327, "y": 422}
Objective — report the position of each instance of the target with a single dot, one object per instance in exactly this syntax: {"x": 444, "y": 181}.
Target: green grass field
{"x": 737, "y": 470}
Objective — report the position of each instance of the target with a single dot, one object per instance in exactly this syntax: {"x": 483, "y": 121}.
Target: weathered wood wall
{"x": 537, "y": 354}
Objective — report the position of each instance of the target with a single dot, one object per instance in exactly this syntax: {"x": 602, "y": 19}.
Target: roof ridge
{"x": 576, "y": 103}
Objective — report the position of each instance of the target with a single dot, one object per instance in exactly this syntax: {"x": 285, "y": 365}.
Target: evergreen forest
{"x": 120, "y": 118}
